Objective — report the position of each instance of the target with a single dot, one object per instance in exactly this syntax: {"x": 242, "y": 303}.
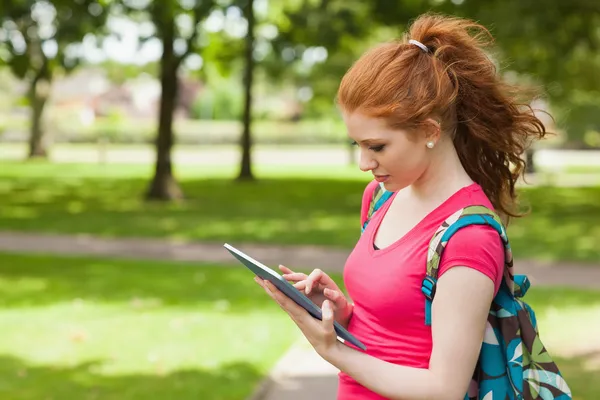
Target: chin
{"x": 393, "y": 187}
{"x": 390, "y": 186}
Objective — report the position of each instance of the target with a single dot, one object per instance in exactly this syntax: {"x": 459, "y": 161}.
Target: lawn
{"x": 83, "y": 328}
{"x": 287, "y": 206}
{"x": 75, "y": 328}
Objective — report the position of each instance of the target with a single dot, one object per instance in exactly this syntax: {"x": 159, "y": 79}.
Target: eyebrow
{"x": 370, "y": 141}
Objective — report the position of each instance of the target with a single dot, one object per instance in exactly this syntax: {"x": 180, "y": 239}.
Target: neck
{"x": 444, "y": 176}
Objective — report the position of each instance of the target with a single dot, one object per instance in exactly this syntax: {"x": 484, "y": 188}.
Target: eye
{"x": 353, "y": 143}
{"x": 377, "y": 149}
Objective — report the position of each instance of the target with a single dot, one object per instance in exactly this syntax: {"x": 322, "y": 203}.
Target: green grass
{"x": 588, "y": 169}
{"x": 286, "y": 206}
{"x": 43, "y": 169}
{"x": 83, "y": 328}
{"x": 77, "y": 328}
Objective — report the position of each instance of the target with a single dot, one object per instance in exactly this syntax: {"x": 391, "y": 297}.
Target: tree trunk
{"x": 38, "y": 95}
{"x": 163, "y": 185}
{"x": 246, "y": 141}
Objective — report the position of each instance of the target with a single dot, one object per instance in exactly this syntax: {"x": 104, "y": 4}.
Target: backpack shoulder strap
{"x": 471, "y": 215}
{"x": 377, "y": 198}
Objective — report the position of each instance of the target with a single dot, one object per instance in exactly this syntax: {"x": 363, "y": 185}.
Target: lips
{"x": 381, "y": 178}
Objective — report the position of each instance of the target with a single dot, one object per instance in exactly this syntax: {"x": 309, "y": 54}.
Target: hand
{"x": 320, "y": 334}
{"x": 318, "y": 287}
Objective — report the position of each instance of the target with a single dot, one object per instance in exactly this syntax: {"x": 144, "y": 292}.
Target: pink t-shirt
{"x": 385, "y": 285}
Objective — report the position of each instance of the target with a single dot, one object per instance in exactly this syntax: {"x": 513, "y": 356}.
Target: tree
{"x": 37, "y": 39}
{"x": 177, "y": 26}
{"x": 222, "y": 52}
{"x": 246, "y": 141}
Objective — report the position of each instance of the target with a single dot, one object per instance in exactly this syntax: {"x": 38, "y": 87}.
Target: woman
{"x": 437, "y": 127}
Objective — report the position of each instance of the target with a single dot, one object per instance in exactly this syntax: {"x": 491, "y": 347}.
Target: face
{"x": 397, "y": 158}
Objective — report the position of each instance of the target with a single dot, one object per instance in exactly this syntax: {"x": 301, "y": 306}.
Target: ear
{"x": 433, "y": 130}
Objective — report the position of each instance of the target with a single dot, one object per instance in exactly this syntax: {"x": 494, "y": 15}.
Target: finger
{"x": 258, "y": 280}
{"x": 295, "y": 277}
{"x": 285, "y": 269}
{"x": 265, "y": 286}
{"x": 270, "y": 290}
{"x": 317, "y": 276}
{"x": 336, "y": 297}
{"x": 288, "y": 305}
{"x": 273, "y": 291}
{"x": 300, "y": 285}
{"x": 327, "y": 316}
{"x": 275, "y": 294}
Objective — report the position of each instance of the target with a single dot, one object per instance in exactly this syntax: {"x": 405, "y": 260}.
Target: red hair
{"x": 456, "y": 82}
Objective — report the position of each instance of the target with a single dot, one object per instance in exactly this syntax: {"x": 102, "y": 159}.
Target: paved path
{"x": 300, "y": 368}
{"x": 546, "y": 159}
{"x": 328, "y": 259}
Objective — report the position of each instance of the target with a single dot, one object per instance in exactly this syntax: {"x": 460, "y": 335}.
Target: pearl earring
{"x": 430, "y": 145}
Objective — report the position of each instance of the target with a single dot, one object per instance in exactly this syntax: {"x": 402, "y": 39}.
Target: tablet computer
{"x": 280, "y": 283}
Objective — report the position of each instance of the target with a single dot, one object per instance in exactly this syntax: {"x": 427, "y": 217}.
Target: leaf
{"x": 526, "y": 359}
{"x": 531, "y": 375}
{"x": 490, "y": 336}
{"x": 504, "y": 313}
{"x": 536, "y": 347}
{"x": 561, "y": 385}
{"x": 488, "y": 396}
{"x": 535, "y": 390}
{"x": 518, "y": 353}
{"x": 539, "y": 353}
{"x": 552, "y": 379}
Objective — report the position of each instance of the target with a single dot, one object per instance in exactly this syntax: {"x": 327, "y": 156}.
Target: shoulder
{"x": 469, "y": 196}
{"x": 478, "y": 247}
{"x": 474, "y": 237}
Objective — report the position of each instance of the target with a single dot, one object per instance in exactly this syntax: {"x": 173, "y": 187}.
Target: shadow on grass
{"x": 39, "y": 280}
{"x": 564, "y": 223}
{"x": 20, "y": 380}
{"x": 270, "y": 210}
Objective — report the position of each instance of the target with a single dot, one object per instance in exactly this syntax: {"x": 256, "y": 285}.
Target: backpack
{"x": 513, "y": 363}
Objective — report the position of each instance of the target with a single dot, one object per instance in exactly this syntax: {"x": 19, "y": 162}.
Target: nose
{"x": 366, "y": 163}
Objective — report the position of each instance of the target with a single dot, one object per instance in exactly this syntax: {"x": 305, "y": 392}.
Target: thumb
{"x": 327, "y": 313}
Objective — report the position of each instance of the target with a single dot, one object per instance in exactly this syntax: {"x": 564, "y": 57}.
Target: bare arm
{"x": 459, "y": 315}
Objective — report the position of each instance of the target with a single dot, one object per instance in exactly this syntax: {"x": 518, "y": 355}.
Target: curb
{"x": 263, "y": 388}
{"x": 299, "y": 367}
